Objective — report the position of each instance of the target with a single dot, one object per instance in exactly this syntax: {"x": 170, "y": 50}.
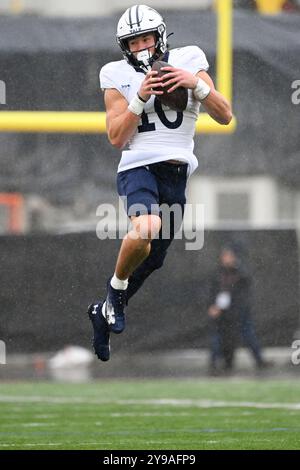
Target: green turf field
{"x": 153, "y": 414}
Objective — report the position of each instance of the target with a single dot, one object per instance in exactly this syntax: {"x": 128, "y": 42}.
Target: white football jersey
{"x": 162, "y": 134}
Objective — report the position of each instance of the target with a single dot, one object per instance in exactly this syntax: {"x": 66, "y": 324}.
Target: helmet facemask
{"x": 143, "y": 58}
{"x": 144, "y": 16}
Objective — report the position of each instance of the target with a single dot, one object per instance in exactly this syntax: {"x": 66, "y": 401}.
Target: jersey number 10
{"x": 147, "y": 126}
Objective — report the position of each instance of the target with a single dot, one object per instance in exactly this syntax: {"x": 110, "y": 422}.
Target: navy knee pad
{"x": 154, "y": 261}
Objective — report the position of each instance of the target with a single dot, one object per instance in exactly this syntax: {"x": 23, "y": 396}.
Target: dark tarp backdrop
{"x": 47, "y": 282}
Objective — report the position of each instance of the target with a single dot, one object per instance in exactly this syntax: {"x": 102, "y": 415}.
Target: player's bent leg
{"x": 137, "y": 244}
{"x": 134, "y": 249}
{"x": 153, "y": 262}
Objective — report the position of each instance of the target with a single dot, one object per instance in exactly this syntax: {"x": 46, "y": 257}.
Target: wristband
{"x": 140, "y": 98}
{"x": 136, "y": 105}
{"x": 202, "y": 90}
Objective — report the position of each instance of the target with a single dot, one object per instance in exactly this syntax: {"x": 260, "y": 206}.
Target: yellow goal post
{"x": 94, "y": 122}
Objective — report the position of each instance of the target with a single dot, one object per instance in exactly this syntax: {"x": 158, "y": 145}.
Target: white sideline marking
{"x": 26, "y": 425}
{"x": 43, "y": 444}
{"x": 31, "y": 445}
{"x": 214, "y": 403}
{"x": 36, "y": 425}
{"x": 146, "y": 414}
{"x": 45, "y": 416}
{"x": 155, "y": 402}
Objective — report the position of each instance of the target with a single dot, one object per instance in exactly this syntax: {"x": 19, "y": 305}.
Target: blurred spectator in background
{"x": 229, "y": 310}
{"x": 292, "y": 6}
{"x": 288, "y": 5}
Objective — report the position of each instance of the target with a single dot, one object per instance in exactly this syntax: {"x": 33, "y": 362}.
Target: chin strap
{"x": 145, "y": 60}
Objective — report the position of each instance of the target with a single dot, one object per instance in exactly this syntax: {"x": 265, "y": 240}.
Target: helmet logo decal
{"x": 138, "y": 19}
{"x": 137, "y": 16}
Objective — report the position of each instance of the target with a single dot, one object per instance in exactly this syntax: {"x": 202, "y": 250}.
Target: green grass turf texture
{"x": 138, "y": 414}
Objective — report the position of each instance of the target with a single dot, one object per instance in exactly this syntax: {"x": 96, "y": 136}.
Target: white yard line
{"x": 57, "y": 444}
{"x": 146, "y": 414}
{"x": 214, "y": 403}
{"x": 152, "y": 402}
{"x": 26, "y": 425}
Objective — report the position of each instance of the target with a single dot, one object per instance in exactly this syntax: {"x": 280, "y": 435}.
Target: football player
{"x": 159, "y": 158}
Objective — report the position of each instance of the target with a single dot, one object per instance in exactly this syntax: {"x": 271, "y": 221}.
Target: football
{"x": 177, "y": 99}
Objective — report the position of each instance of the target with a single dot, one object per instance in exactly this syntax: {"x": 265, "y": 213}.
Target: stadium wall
{"x": 48, "y": 281}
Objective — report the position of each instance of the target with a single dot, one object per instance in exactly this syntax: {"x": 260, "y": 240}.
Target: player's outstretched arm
{"x": 215, "y": 103}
